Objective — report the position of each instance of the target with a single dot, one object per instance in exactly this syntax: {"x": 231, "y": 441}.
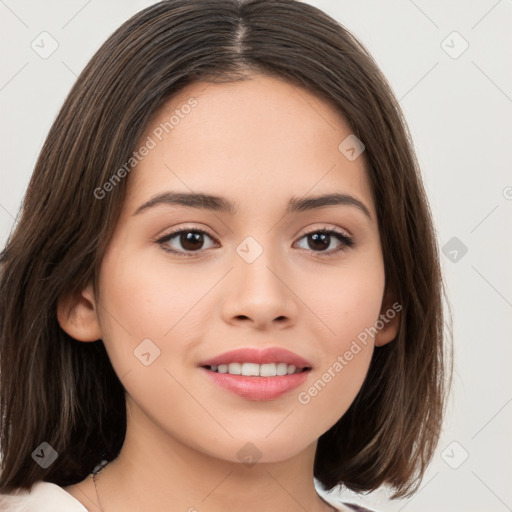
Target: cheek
{"x": 346, "y": 357}
{"x": 346, "y": 300}
{"x": 128, "y": 305}
{"x": 142, "y": 299}
{"x": 347, "y": 305}
{"x": 138, "y": 288}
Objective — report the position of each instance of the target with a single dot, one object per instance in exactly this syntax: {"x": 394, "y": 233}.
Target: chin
{"x": 251, "y": 450}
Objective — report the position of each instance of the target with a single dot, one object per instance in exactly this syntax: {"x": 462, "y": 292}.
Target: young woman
{"x": 224, "y": 282}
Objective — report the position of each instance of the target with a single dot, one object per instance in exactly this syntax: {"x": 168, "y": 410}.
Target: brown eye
{"x": 187, "y": 240}
{"x": 191, "y": 240}
{"x": 320, "y": 240}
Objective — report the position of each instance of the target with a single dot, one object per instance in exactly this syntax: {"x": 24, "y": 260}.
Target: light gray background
{"x": 459, "y": 111}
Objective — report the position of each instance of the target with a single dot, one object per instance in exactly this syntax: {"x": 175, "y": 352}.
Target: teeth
{"x": 282, "y": 369}
{"x": 268, "y": 370}
{"x": 255, "y": 369}
{"x": 234, "y": 368}
{"x": 250, "y": 369}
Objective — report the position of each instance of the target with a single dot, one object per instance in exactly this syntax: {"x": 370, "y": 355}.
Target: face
{"x": 182, "y": 284}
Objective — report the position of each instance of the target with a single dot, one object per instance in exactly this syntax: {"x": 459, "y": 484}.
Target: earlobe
{"x": 77, "y": 315}
{"x": 387, "y": 323}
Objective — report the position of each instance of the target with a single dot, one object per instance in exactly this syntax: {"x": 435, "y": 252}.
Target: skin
{"x": 257, "y": 142}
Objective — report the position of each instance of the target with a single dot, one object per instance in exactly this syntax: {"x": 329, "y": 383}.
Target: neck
{"x": 157, "y": 472}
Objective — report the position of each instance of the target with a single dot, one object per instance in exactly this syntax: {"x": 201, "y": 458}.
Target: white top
{"x": 49, "y": 497}
{"x": 43, "y": 497}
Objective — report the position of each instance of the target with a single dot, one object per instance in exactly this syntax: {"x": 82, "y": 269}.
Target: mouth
{"x": 256, "y": 374}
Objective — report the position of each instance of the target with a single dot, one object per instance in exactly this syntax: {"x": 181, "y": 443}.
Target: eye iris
{"x": 320, "y": 236}
{"x": 191, "y": 240}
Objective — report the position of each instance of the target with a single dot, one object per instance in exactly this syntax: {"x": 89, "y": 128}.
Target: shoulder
{"x": 357, "y": 508}
{"x": 343, "y": 506}
{"x": 42, "y": 497}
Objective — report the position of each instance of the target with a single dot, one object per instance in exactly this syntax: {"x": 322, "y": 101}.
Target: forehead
{"x": 259, "y": 136}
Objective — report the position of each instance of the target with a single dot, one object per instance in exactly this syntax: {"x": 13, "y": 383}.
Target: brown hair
{"x": 55, "y": 390}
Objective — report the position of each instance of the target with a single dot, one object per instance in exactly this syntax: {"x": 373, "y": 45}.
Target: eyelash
{"x": 347, "y": 242}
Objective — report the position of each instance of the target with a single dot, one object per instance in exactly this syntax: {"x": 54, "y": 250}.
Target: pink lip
{"x": 252, "y": 355}
{"x": 257, "y": 388}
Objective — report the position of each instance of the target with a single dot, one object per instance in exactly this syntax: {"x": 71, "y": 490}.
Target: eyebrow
{"x": 224, "y": 205}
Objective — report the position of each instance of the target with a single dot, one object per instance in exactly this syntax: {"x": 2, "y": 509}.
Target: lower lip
{"x": 258, "y": 388}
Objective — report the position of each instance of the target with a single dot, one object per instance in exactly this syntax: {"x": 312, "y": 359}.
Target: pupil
{"x": 191, "y": 240}
{"x": 323, "y": 236}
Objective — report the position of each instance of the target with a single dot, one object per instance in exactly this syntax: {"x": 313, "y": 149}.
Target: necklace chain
{"x": 95, "y": 476}
{"x": 95, "y": 473}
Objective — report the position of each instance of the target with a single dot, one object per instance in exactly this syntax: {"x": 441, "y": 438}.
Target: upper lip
{"x": 259, "y": 356}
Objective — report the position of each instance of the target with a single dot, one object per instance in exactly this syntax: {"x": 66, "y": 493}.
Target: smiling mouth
{"x": 257, "y": 370}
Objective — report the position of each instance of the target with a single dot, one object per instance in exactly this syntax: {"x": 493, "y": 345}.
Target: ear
{"x": 77, "y": 315}
{"x": 389, "y": 320}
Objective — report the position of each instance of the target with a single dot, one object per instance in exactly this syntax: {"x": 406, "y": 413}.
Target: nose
{"x": 259, "y": 292}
